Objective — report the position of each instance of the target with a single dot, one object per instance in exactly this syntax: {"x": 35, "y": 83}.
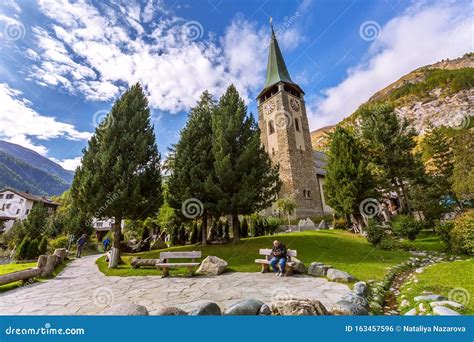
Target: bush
{"x": 375, "y": 232}
{"x": 33, "y": 249}
{"x": 339, "y": 223}
{"x": 43, "y": 246}
{"x": 22, "y": 249}
{"x": 462, "y": 234}
{"x": 406, "y": 226}
{"x": 59, "y": 242}
{"x": 391, "y": 244}
{"x": 271, "y": 225}
{"x": 443, "y": 229}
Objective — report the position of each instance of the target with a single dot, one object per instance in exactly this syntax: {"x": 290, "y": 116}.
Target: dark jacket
{"x": 81, "y": 241}
{"x": 279, "y": 252}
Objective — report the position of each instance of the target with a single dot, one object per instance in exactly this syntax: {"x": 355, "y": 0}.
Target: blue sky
{"x": 62, "y": 64}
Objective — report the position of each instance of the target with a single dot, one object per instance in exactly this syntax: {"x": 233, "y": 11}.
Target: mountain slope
{"x": 440, "y": 93}
{"x": 23, "y": 169}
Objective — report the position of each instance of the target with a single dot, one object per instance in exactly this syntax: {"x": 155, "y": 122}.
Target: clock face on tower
{"x": 268, "y": 107}
{"x": 295, "y": 105}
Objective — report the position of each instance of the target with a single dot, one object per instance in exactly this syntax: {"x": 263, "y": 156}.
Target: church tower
{"x": 285, "y": 134}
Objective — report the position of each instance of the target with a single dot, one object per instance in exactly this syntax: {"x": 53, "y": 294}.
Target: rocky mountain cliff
{"x": 440, "y": 93}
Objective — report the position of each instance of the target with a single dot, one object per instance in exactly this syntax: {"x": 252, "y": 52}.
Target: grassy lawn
{"x": 338, "y": 248}
{"x": 427, "y": 241}
{"x": 441, "y": 279}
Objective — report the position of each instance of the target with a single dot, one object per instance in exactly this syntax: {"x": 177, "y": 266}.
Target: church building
{"x": 285, "y": 134}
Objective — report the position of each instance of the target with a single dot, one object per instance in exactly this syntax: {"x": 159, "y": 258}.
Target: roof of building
{"x": 320, "y": 160}
{"x": 276, "y": 68}
{"x": 31, "y": 197}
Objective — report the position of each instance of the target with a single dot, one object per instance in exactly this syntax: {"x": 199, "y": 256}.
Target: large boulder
{"x": 447, "y": 303}
{"x": 126, "y": 309}
{"x": 170, "y": 311}
{"x": 360, "y": 289}
{"x": 248, "y": 307}
{"x": 212, "y": 265}
{"x": 298, "y": 266}
{"x": 265, "y": 310}
{"x": 298, "y": 307}
{"x": 158, "y": 244}
{"x": 356, "y": 299}
{"x": 348, "y": 308}
{"x": 207, "y": 309}
{"x": 318, "y": 269}
{"x": 338, "y": 275}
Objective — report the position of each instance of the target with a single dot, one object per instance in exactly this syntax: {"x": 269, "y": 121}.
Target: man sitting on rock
{"x": 279, "y": 257}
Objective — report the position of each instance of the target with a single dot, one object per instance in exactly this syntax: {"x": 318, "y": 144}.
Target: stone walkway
{"x": 81, "y": 289}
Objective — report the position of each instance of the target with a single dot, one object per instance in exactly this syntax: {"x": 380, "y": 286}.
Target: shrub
{"x": 33, "y": 249}
{"x": 43, "y": 246}
{"x": 339, "y": 223}
{"x": 59, "y": 242}
{"x": 244, "y": 228}
{"x": 375, "y": 232}
{"x": 462, "y": 234}
{"x": 271, "y": 225}
{"x": 406, "y": 226}
{"x": 22, "y": 249}
{"x": 443, "y": 229}
{"x": 390, "y": 244}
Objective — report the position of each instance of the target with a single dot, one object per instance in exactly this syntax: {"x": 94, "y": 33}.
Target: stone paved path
{"x": 81, "y": 289}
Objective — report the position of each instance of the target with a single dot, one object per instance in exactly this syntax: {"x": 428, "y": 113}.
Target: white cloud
{"x": 97, "y": 56}
{"x": 423, "y": 35}
{"x": 19, "y": 122}
{"x": 68, "y": 164}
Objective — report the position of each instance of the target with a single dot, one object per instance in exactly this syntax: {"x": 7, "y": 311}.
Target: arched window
{"x": 304, "y": 193}
{"x": 271, "y": 127}
{"x": 297, "y": 124}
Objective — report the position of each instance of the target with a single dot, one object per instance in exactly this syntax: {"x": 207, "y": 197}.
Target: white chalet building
{"x": 16, "y": 205}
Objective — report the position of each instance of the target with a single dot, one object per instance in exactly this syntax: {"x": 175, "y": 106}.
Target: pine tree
{"x": 120, "y": 174}
{"x": 348, "y": 181}
{"x": 33, "y": 249}
{"x": 43, "y": 246}
{"x": 36, "y": 222}
{"x": 463, "y": 175}
{"x": 243, "y": 180}
{"x": 192, "y": 161}
{"x": 390, "y": 142}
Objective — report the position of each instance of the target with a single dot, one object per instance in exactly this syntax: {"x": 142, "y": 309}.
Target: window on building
{"x": 297, "y": 124}
{"x": 273, "y": 151}
{"x": 8, "y": 206}
{"x": 304, "y": 193}
{"x": 17, "y": 211}
{"x": 27, "y": 211}
{"x": 1, "y": 196}
{"x": 271, "y": 127}
{"x": 21, "y": 200}
{"x": 9, "y": 196}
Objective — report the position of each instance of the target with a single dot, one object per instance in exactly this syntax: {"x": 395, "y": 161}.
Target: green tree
{"x": 192, "y": 161}
{"x": 243, "y": 180}
{"x": 348, "y": 179}
{"x": 33, "y": 249}
{"x": 463, "y": 171}
{"x": 244, "y": 228}
{"x": 390, "y": 142}
{"x": 43, "y": 246}
{"x": 120, "y": 174}
{"x": 36, "y": 222}
{"x": 22, "y": 249}
{"x": 194, "y": 233}
{"x": 286, "y": 206}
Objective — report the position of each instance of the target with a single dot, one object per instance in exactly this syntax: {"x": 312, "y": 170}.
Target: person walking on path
{"x": 106, "y": 243}
{"x": 80, "y": 245}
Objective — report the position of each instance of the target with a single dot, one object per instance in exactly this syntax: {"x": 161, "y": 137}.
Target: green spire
{"x": 276, "y": 67}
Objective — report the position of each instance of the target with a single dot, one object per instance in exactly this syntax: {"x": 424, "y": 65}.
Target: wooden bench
{"x": 266, "y": 262}
{"x": 165, "y": 265}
